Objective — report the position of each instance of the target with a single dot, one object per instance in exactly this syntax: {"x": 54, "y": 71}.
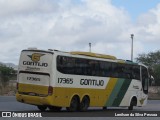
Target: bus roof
{"x": 90, "y": 54}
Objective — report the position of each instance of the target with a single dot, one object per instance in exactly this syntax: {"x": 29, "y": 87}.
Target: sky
{"x": 70, "y": 25}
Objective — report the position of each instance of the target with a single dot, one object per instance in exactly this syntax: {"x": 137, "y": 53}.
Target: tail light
{"x": 50, "y": 90}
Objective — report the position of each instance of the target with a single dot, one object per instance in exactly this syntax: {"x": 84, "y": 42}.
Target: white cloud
{"x": 69, "y": 25}
{"x": 11, "y": 8}
{"x": 148, "y": 25}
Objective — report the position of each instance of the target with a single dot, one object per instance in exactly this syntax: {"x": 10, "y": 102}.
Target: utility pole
{"x": 132, "y": 35}
{"x": 89, "y": 47}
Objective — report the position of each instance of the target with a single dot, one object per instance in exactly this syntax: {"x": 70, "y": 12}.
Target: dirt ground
{"x": 154, "y": 93}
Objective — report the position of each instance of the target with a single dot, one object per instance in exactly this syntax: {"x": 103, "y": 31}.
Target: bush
{"x": 5, "y": 74}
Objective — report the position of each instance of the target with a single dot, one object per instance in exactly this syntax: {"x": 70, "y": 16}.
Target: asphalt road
{"x": 10, "y": 104}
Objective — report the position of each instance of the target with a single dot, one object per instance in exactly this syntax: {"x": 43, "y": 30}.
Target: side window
{"x": 65, "y": 64}
{"x": 78, "y": 69}
{"x": 128, "y": 71}
{"x": 81, "y": 66}
{"x": 136, "y": 72}
{"x": 69, "y": 66}
{"x": 105, "y": 69}
{"x": 94, "y": 68}
{"x": 60, "y": 63}
{"x": 121, "y": 70}
{"x": 114, "y": 70}
{"x": 145, "y": 79}
{"x": 84, "y": 66}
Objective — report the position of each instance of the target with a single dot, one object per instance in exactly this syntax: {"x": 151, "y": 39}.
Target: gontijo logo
{"x": 35, "y": 57}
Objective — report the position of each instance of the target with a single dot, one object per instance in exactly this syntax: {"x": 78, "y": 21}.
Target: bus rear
{"x": 34, "y": 77}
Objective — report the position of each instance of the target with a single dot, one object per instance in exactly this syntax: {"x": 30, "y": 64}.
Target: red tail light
{"x": 50, "y": 90}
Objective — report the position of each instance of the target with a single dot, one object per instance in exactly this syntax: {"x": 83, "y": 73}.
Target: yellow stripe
{"x": 94, "y": 55}
{"x": 109, "y": 88}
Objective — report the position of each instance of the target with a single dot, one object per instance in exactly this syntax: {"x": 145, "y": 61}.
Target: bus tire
{"x": 73, "y": 104}
{"x": 132, "y": 103}
{"x": 42, "y": 107}
{"x": 54, "y": 108}
{"x": 104, "y": 108}
{"x": 84, "y": 103}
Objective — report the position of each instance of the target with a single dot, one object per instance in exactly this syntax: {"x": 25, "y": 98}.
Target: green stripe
{"x": 115, "y": 92}
{"x": 122, "y": 92}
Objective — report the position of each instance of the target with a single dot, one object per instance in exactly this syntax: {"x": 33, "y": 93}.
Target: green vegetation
{"x": 6, "y": 74}
{"x": 152, "y": 60}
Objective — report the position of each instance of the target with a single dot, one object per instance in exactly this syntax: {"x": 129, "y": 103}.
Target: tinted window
{"x": 105, "y": 69}
{"x": 136, "y": 72}
{"x": 80, "y": 66}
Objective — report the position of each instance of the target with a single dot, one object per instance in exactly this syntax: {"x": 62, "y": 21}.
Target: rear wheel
{"x": 84, "y": 104}
{"x": 42, "y": 108}
{"x": 104, "y": 108}
{"x": 133, "y": 103}
{"x": 130, "y": 107}
{"x": 54, "y": 108}
{"x": 73, "y": 105}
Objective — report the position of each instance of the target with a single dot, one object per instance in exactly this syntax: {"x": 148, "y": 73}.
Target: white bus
{"x": 78, "y": 80}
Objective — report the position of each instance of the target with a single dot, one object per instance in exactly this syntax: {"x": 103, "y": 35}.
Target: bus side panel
{"x": 97, "y": 94}
{"x": 134, "y": 90}
{"x": 98, "y": 97}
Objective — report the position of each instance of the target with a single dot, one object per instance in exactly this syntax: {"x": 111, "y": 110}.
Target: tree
{"x": 152, "y": 60}
{"x": 5, "y": 74}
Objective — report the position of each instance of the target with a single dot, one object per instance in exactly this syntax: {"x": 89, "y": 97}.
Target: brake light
{"x": 50, "y": 90}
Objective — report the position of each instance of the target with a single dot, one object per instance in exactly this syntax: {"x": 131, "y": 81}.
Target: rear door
{"x": 34, "y": 72}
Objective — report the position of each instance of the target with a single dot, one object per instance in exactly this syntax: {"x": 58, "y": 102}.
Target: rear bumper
{"x": 34, "y": 100}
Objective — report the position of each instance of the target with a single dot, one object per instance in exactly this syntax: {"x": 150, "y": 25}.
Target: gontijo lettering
{"x": 92, "y": 82}
{"x": 35, "y": 57}
{"x": 35, "y": 64}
